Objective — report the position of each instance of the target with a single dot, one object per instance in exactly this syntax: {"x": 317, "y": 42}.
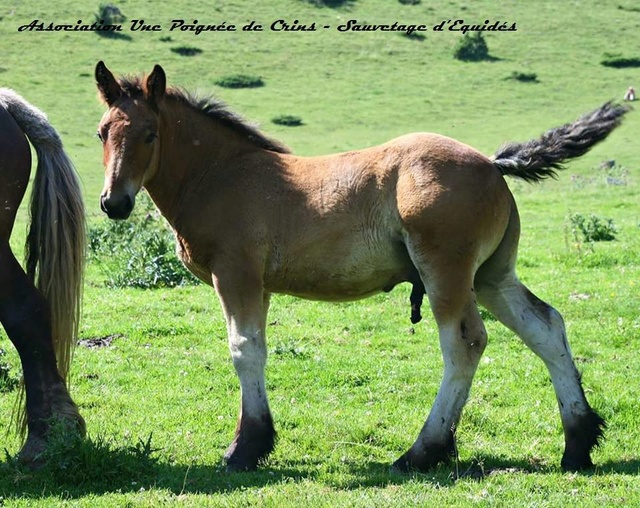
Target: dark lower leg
{"x": 428, "y": 456}
{"x": 254, "y": 441}
{"x": 580, "y": 438}
{"x": 24, "y": 313}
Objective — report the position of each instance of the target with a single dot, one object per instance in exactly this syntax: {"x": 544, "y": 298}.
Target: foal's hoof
{"x": 242, "y": 456}
{"x": 237, "y": 466}
{"x": 423, "y": 460}
{"x": 241, "y": 459}
{"x": 407, "y": 464}
{"x": 575, "y": 465}
{"x": 255, "y": 440}
{"x": 584, "y": 435}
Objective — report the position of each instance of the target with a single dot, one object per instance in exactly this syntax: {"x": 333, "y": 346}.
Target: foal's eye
{"x": 150, "y": 138}
{"x": 103, "y": 134}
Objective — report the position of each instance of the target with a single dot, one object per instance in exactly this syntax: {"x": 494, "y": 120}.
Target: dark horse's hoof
{"x": 254, "y": 441}
{"x": 33, "y": 452}
{"x": 64, "y": 431}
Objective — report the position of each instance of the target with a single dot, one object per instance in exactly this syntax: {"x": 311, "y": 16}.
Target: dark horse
{"x": 252, "y": 219}
{"x": 40, "y": 309}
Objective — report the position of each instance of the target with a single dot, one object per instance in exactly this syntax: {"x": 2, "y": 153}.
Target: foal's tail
{"x": 538, "y": 159}
{"x": 55, "y": 248}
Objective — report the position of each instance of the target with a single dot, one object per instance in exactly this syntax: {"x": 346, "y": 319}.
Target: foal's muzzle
{"x": 117, "y": 208}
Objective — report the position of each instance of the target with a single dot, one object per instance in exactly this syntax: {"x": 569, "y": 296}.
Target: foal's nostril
{"x": 120, "y": 209}
{"x": 127, "y": 205}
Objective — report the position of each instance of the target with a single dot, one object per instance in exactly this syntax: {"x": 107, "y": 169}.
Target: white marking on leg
{"x": 542, "y": 329}
{"x": 249, "y": 354}
{"x": 461, "y": 354}
{"x": 245, "y": 306}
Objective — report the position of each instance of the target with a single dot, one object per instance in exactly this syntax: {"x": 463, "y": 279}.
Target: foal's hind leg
{"x": 24, "y": 313}
{"x": 541, "y": 327}
{"x": 462, "y": 340}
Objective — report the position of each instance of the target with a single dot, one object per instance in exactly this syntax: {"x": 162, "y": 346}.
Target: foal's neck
{"x": 191, "y": 145}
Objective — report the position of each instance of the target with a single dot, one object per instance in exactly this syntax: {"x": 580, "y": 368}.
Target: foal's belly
{"x": 337, "y": 272}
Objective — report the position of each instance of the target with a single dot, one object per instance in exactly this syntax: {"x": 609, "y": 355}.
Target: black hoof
{"x": 255, "y": 440}
{"x": 65, "y": 432}
{"x": 426, "y": 459}
{"x": 576, "y": 464}
{"x": 237, "y": 464}
{"x": 580, "y": 440}
{"x": 32, "y": 454}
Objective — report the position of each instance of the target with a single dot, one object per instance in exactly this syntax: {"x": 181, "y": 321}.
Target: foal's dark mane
{"x": 209, "y": 106}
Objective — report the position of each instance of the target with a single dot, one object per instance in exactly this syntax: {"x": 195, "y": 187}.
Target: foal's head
{"x": 129, "y": 135}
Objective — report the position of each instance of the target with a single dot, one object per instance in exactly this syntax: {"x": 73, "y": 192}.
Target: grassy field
{"x": 350, "y": 384}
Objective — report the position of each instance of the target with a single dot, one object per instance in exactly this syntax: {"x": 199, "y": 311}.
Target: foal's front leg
{"x": 245, "y": 305}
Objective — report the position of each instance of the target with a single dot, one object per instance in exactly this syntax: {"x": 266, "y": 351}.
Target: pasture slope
{"x": 350, "y": 384}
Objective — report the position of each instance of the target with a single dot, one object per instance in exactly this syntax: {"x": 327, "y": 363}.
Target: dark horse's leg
{"x": 24, "y": 313}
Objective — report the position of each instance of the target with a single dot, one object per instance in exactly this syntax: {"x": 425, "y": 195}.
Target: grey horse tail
{"x": 538, "y": 159}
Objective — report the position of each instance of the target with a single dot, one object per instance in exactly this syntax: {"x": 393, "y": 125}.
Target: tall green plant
{"x": 138, "y": 252}
{"x": 588, "y": 229}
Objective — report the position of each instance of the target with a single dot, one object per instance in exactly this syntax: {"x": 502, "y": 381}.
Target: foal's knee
{"x": 474, "y": 335}
{"x": 249, "y": 353}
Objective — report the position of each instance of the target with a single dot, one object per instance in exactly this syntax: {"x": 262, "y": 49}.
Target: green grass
{"x": 350, "y": 384}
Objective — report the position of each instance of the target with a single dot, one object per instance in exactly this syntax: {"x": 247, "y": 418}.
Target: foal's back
{"x": 337, "y": 227}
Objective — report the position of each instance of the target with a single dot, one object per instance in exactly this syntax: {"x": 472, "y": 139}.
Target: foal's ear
{"x": 108, "y": 87}
{"x": 155, "y": 86}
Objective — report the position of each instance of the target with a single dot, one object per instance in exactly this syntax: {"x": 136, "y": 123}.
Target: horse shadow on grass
{"x": 97, "y": 468}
